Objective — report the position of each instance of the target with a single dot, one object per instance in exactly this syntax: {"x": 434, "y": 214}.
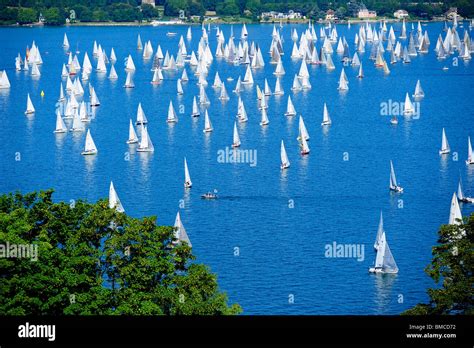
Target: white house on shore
{"x": 279, "y": 15}
{"x": 365, "y": 14}
{"x": 401, "y": 14}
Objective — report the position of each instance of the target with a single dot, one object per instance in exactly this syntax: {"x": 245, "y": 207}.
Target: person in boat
{"x": 187, "y": 184}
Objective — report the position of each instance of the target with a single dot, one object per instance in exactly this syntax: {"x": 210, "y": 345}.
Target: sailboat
{"x": 141, "y": 118}
{"x": 4, "y": 81}
{"x": 195, "y": 112}
{"x": 179, "y": 87}
{"x": 285, "y": 163}
{"x": 129, "y": 83}
{"x": 408, "y": 107}
{"x": 384, "y": 261}
{"x": 460, "y": 194}
{"x": 77, "y": 125}
{"x": 445, "y": 149}
{"x": 343, "y": 85}
{"x": 172, "y": 117}
{"x": 113, "y": 74}
{"x": 380, "y": 232}
{"x": 304, "y": 146}
{"x": 187, "y": 178}
{"x": 90, "y": 148}
{"x": 360, "y": 75}
{"x": 65, "y": 41}
{"x": 455, "y": 216}
{"x": 114, "y": 200}
{"x": 419, "y": 93}
{"x": 180, "y": 235}
{"x": 248, "y": 78}
{"x": 264, "y": 121}
{"x": 290, "y": 109}
{"x": 30, "y": 109}
{"x": 145, "y": 144}
{"x": 326, "y": 118}
{"x": 278, "y": 89}
{"x": 236, "y": 141}
{"x": 207, "y": 123}
{"x": 470, "y": 155}
{"x": 132, "y": 135}
{"x": 60, "y": 125}
{"x": 302, "y": 131}
{"x": 393, "y": 180}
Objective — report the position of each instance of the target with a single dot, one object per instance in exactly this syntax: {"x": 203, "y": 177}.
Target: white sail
{"x": 296, "y": 84}
{"x": 236, "y": 137}
{"x": 113, "y": 57}
{"x": 189, "y": 35}
{"x": 455, "y": 216}
{"x": 304, "y": 146}
{"x": 65, "y": 41}
{"x": 419, "y": 93}
{"x": 30, "y": 109}
{"x": 393, "y": 180}
{"x": 195, "y": 112}
{"x": 217, "y": 81}
{"x": 343, "y": 84}
{"x": 4, "y": 82}
{"x": 290, "y": 109}
{"x": 145, "y": 144}
{"x": 130, "y": 64}
{"x": 132, "y": 135}
{"x": 83, "y": 112}
{"x": 267, "y": 91}
{"x": 187, "y": 178}
{"x": 207, "y": 123}
{"x": 302, "y": 131}
{"x": 60, "y": 125}
{"x": 113, "y": 74}
{"x": 129, "y": 82}
{"x": 444, "y": 144}
{"x": 264, "y": 119}
{"x": 380, "y": 232}
{"x": 326, "y": 118}
{"x": 224, "y": 95}
{"x": 279, "y": 70}
{"x": 89, "y": 148}
{"x": 94, "y": 100}
{"x": 470, "y": 155}
{"x": 172, "y": 117}
{"x": 278, "y": 89}
{"x": 460, "y": 193}
{"x": 179, "y": 87}
{"x": 35, "y": 70}
{"x": 285, "y": 163}
{"x": 248, "y": 78}
{"x": 114, "y": 200}
{"x": 180, "y": 234}
{"x": 77, "y": 125}
{"x": 141, "y": 118}
{"x": 384, "y": 261}
{"x": 408, "y": 107}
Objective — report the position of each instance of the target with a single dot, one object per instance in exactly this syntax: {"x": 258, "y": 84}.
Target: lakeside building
{"x": 401, "y": 14}
{"x": 148, "y": 2}
{"x": 280, "y": 15}
{"x": 366, "y": 14}
{"x": 330, "y": 15}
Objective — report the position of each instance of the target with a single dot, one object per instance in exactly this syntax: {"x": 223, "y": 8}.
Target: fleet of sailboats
{"x": 307, "y": 49}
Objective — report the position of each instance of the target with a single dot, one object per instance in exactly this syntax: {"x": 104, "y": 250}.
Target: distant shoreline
{"x": 173, "y": 23}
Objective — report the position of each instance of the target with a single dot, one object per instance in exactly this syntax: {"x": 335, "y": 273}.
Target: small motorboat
{"x": 209, "y": 195}
{"x": 171, "y": 34}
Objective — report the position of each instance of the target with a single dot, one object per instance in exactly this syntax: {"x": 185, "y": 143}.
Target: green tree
{"x": 27, "y": 15}
{"x": 53, "y": 16}
{"x": 93, "y": 260}
{"x": 149, "y": 12}
{"x": 100, "y": 16}
{"x": 452, "y": 266}
{"x": 227, "y": 8}
{"x": 172, "y": 7}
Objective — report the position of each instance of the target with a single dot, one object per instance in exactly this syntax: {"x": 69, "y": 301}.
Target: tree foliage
{"x": 452, "y": 267}
{"x": 132, "y": 10}
{"x": 93, "y": 260}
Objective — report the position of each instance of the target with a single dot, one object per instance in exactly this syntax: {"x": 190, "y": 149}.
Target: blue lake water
{"x": 265, "y": 236}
